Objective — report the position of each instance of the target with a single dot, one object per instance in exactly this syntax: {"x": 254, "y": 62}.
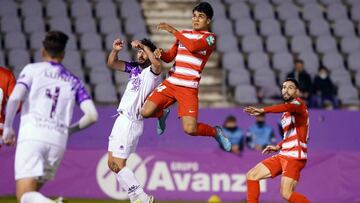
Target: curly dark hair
{"x": 149, "y": 44}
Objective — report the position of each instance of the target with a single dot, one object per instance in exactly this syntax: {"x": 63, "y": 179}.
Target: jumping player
{"x": 191, "y": 51}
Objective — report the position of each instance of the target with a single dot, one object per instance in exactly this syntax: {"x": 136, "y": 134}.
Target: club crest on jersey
{"x": 296, "y": 102}
{"x": 210, "y": 40}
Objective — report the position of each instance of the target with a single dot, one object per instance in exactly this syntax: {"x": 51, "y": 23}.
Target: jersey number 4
{"x": 54, "y": 97}
{"x": 160, "y": 88}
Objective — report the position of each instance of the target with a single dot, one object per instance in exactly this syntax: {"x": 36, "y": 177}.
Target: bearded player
{"x": 292, "y": 155}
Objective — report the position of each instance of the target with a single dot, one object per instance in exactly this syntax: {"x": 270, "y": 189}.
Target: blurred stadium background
{"x": 257, "y": 43}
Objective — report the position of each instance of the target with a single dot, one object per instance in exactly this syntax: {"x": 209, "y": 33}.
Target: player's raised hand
{"x": 166, "y": 27}
{"x": 137, "y": 44}
{"x": 9, "y": 137}
{"x": 270, "y": 148}
{"x": 118, "y": 44}
{"x": 253, "y": 111}
{"x": 158, "y": 52}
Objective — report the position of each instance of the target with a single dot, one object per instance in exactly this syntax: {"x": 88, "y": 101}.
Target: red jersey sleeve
{"x": 195, "y": 45}
{"x": 11, "y": 84}
{"x": 292, "y": 107}
{"x": 170, "y": 54}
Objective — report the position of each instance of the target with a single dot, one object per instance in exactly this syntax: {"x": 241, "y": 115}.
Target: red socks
{"x": 253, "y": 191}
{"x": 205, "y": 130}
{"x": 298, "y": 198}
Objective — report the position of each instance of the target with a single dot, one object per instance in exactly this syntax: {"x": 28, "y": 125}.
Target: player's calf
{"x": 116, "y": 164}
{"x": 25, "y": 185}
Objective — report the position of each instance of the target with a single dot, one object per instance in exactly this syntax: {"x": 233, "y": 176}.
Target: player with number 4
{"x": 191, "y": 51}
{"x": 49, "y": 92}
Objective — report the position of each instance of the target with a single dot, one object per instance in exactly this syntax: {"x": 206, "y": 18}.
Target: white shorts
{"x": 125, "y": 136}
{"x": 36, "y": 159}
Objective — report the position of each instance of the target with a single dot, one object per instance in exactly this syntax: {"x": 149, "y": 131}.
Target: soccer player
{"x": 293, "y": 148}
{"x": 7, "y": 84}
{"x": 49, "y": 92}
{"x": 191, "y": 51}
{"x": 144, "y": 77}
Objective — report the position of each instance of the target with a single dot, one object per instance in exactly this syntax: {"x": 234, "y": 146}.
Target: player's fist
{"x": 9, "y": 137}
{"x": 158, "y": 52}
{"x": 137, "y": 44}
{"x": 118, "y": 44}
{"x": 270, "y": 148}
{"x": 166, "y": 27}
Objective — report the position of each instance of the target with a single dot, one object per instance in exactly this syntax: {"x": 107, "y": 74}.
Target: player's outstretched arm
{"x": 253, "y": 111}
{"x": 113, "y": 62}
{"x": 280, "y": 108}
{"x": 169, "y": 55}
{"x": 12, "y": 105}
{"x": 193, "y": 45}
{"x": 90, "y": 116}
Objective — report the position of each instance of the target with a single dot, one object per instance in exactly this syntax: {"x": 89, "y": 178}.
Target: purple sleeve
{"x": 81, "y": 93}
{"x": 129, "y": 66}
{"x": 25, "y": 77}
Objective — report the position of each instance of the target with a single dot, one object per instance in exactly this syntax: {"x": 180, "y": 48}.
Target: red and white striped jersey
{"x": 295, "y": 124}
{"x": 191, "y": 51}
{"x": 7, "y": 84}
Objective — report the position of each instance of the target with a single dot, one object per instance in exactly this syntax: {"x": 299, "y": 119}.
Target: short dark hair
{"x": 293, "y": 80}
{"x": 149, "y": 44}
{"x": 204, "y": 7}
{"x": 299, "y": 61}
{"x": 54, "y": 43}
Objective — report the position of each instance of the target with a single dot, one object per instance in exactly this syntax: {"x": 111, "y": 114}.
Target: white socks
{"x": 129, "y": 183}
{"x": 35, "y": 197}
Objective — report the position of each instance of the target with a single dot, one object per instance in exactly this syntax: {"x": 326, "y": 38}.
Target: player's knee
{"x": 252, "y": 174}
{"x": 145, "y": 113}
{"x": 190, "y": 130}
{"x": 285, "y": 193}
{"x": 115, "y": 167}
